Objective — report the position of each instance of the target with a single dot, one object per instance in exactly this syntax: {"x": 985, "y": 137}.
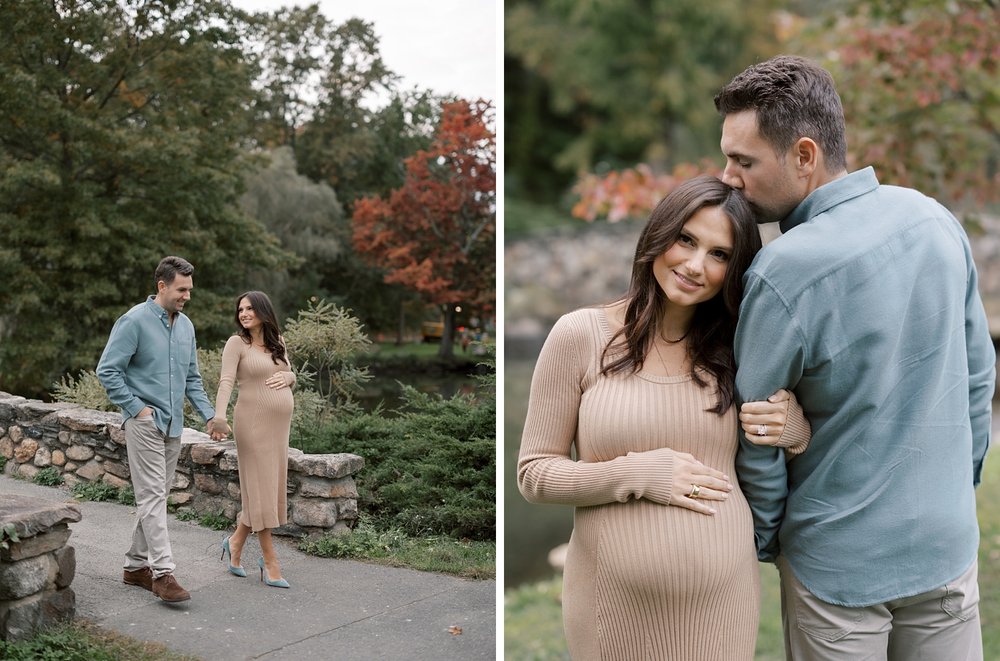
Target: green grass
{"x": 215, "y": 521}
{"x": 84, "y": 641}
{"x": 988, "y": 500}
{"x": 394, "y": 548}
{"x": 103, "y": 492}
{"x": 533, "y": 616}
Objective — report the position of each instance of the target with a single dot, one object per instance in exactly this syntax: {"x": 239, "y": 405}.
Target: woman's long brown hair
{"x": 713, "y": 327}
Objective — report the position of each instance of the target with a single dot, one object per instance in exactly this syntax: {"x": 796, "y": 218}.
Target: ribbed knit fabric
{"x": 261, "y": 421}
{"x": 643, "y": 580}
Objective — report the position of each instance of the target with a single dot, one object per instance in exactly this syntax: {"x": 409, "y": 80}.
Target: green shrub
{"x": 429, "y": 471}
{"x": 48, "y": 477}
{"x": 325, "y": 341}
{"x": 85, "y": 390}
{"x": 3, "y": 463}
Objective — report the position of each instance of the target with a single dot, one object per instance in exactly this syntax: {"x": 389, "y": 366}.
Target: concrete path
{"x": 335, "y": 609}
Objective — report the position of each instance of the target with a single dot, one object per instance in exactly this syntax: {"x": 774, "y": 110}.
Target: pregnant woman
{"x": 256, "y": 360}
{"x": 661, "y": 563}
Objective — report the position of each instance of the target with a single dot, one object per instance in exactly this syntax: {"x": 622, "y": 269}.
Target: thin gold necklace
{"x": 663, "y": 362}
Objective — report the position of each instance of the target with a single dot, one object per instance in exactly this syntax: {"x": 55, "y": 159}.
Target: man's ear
{"x": 160, "y": 286}
{"x": 807, "y": 155}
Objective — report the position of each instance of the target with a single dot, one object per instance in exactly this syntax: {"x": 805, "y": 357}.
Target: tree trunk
{"x": 446, "y": 349}
{"x": 402, "y": 321}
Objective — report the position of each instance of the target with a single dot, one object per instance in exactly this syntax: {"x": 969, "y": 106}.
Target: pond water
{"x": 530, "y": 531}
{"x": 386, "y": 388}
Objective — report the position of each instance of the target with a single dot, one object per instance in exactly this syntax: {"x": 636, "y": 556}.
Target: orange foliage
{"x": 630, "y": 193}
{"x": 435, "y": 234}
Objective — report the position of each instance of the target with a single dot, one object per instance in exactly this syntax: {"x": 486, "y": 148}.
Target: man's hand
{"x": 218, "y": 429}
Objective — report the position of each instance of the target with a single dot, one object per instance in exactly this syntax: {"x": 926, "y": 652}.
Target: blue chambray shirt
{"x": 149, "y": 362}
{"x": 867, "y": 307}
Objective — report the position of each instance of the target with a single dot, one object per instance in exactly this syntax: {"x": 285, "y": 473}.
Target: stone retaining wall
{"x": 89, "y": 446}
{"x": 36, "y": 571}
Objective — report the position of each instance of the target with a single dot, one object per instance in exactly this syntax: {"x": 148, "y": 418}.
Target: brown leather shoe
{"x": 141, "y": 577}
{"x": 167, "y": 589}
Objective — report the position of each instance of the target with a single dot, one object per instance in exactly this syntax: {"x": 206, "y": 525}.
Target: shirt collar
{"x": 157, "y": 309}
{"x": 830, "y": 195}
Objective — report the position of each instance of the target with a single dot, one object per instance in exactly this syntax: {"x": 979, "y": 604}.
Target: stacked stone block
{"x": 36, "y": 571}
{"x": 89, "y": 446}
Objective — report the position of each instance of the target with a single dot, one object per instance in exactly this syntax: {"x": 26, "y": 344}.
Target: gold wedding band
{"x": 695, "y": 490}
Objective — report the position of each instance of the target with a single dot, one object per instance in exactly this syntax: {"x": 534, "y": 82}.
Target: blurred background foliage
{"x": 595, "y": 88}
{"x": 130, "y": 130}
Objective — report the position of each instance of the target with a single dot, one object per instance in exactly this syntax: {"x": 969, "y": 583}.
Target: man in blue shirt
{"x": 149, "y": 364}
{"x": 867, "y": 307}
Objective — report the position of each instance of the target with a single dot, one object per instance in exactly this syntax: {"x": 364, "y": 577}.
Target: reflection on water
{"x": 387, "y": 389}
{"x": 530, "y": 531}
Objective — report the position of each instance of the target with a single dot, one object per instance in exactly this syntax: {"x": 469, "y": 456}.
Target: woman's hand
{"x": 686, "y": 474}
{"x": 768, "y": 416}
{"x": 279, "y": 380}
{"x": 219, "y": 429}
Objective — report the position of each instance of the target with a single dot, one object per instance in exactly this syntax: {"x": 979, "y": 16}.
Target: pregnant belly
{"x": 643, "y": 547}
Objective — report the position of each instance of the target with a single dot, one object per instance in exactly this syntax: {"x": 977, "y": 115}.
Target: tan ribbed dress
{"x": 642, "y": 580}
{"x": 261, "y": 421}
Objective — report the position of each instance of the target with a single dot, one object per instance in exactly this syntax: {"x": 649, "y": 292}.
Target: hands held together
{"x": 218, "y": 428}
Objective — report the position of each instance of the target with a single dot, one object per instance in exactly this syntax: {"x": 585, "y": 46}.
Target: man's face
{"x": 172, "y": 297}
{"x": 770, "y": 183}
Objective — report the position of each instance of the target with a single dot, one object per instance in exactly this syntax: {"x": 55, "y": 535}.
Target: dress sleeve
{"x": 546, "y": 471}
{"x": 230, "y": 361}
{"x": 798, "y": 432}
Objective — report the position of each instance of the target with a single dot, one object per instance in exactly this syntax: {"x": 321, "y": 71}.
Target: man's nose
{"x": 730, "y": 179}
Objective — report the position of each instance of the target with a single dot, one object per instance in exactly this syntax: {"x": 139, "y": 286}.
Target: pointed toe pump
{"x": 280, "y": 583}
{"x": 235, "y": 571}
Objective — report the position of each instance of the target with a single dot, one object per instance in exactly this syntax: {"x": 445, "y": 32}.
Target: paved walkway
{"x": 335, "y": 609}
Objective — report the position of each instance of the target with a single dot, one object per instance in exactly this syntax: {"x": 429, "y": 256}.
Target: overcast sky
{"x": 448, "y": 46}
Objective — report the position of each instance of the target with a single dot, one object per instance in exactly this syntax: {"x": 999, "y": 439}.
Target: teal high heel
{"x": 280, "y": 583}
{"x": 235, "y": 571}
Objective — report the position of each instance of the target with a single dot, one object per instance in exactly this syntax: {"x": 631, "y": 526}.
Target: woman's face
{"x": 248, "y": 318}
{"x": 693, "y": 269}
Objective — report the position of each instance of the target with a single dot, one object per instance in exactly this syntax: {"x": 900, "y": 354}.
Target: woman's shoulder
{"x": 236, "y": 341}
{"x": 583, "y": 326}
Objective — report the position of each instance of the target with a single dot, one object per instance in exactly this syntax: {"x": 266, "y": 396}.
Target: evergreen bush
{"x": 429, "y": 471}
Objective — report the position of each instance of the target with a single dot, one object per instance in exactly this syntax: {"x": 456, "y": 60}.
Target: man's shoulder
{"x": 134, "y": 314}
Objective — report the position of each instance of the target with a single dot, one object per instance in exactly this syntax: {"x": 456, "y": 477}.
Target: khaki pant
{"x": 940, "y": 625}
{"x": 152, "y": 460}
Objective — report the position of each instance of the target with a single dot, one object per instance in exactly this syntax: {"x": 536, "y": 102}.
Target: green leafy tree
{"x": 307, "y": 219}
{"x": 120, "y": 143}
{"x": 336, "y": 144}
{"x": 604, "y": 85}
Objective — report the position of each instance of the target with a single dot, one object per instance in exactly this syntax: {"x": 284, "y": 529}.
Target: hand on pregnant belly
{"x": 277, "y": 381}
{"x": 691, "y": 482}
